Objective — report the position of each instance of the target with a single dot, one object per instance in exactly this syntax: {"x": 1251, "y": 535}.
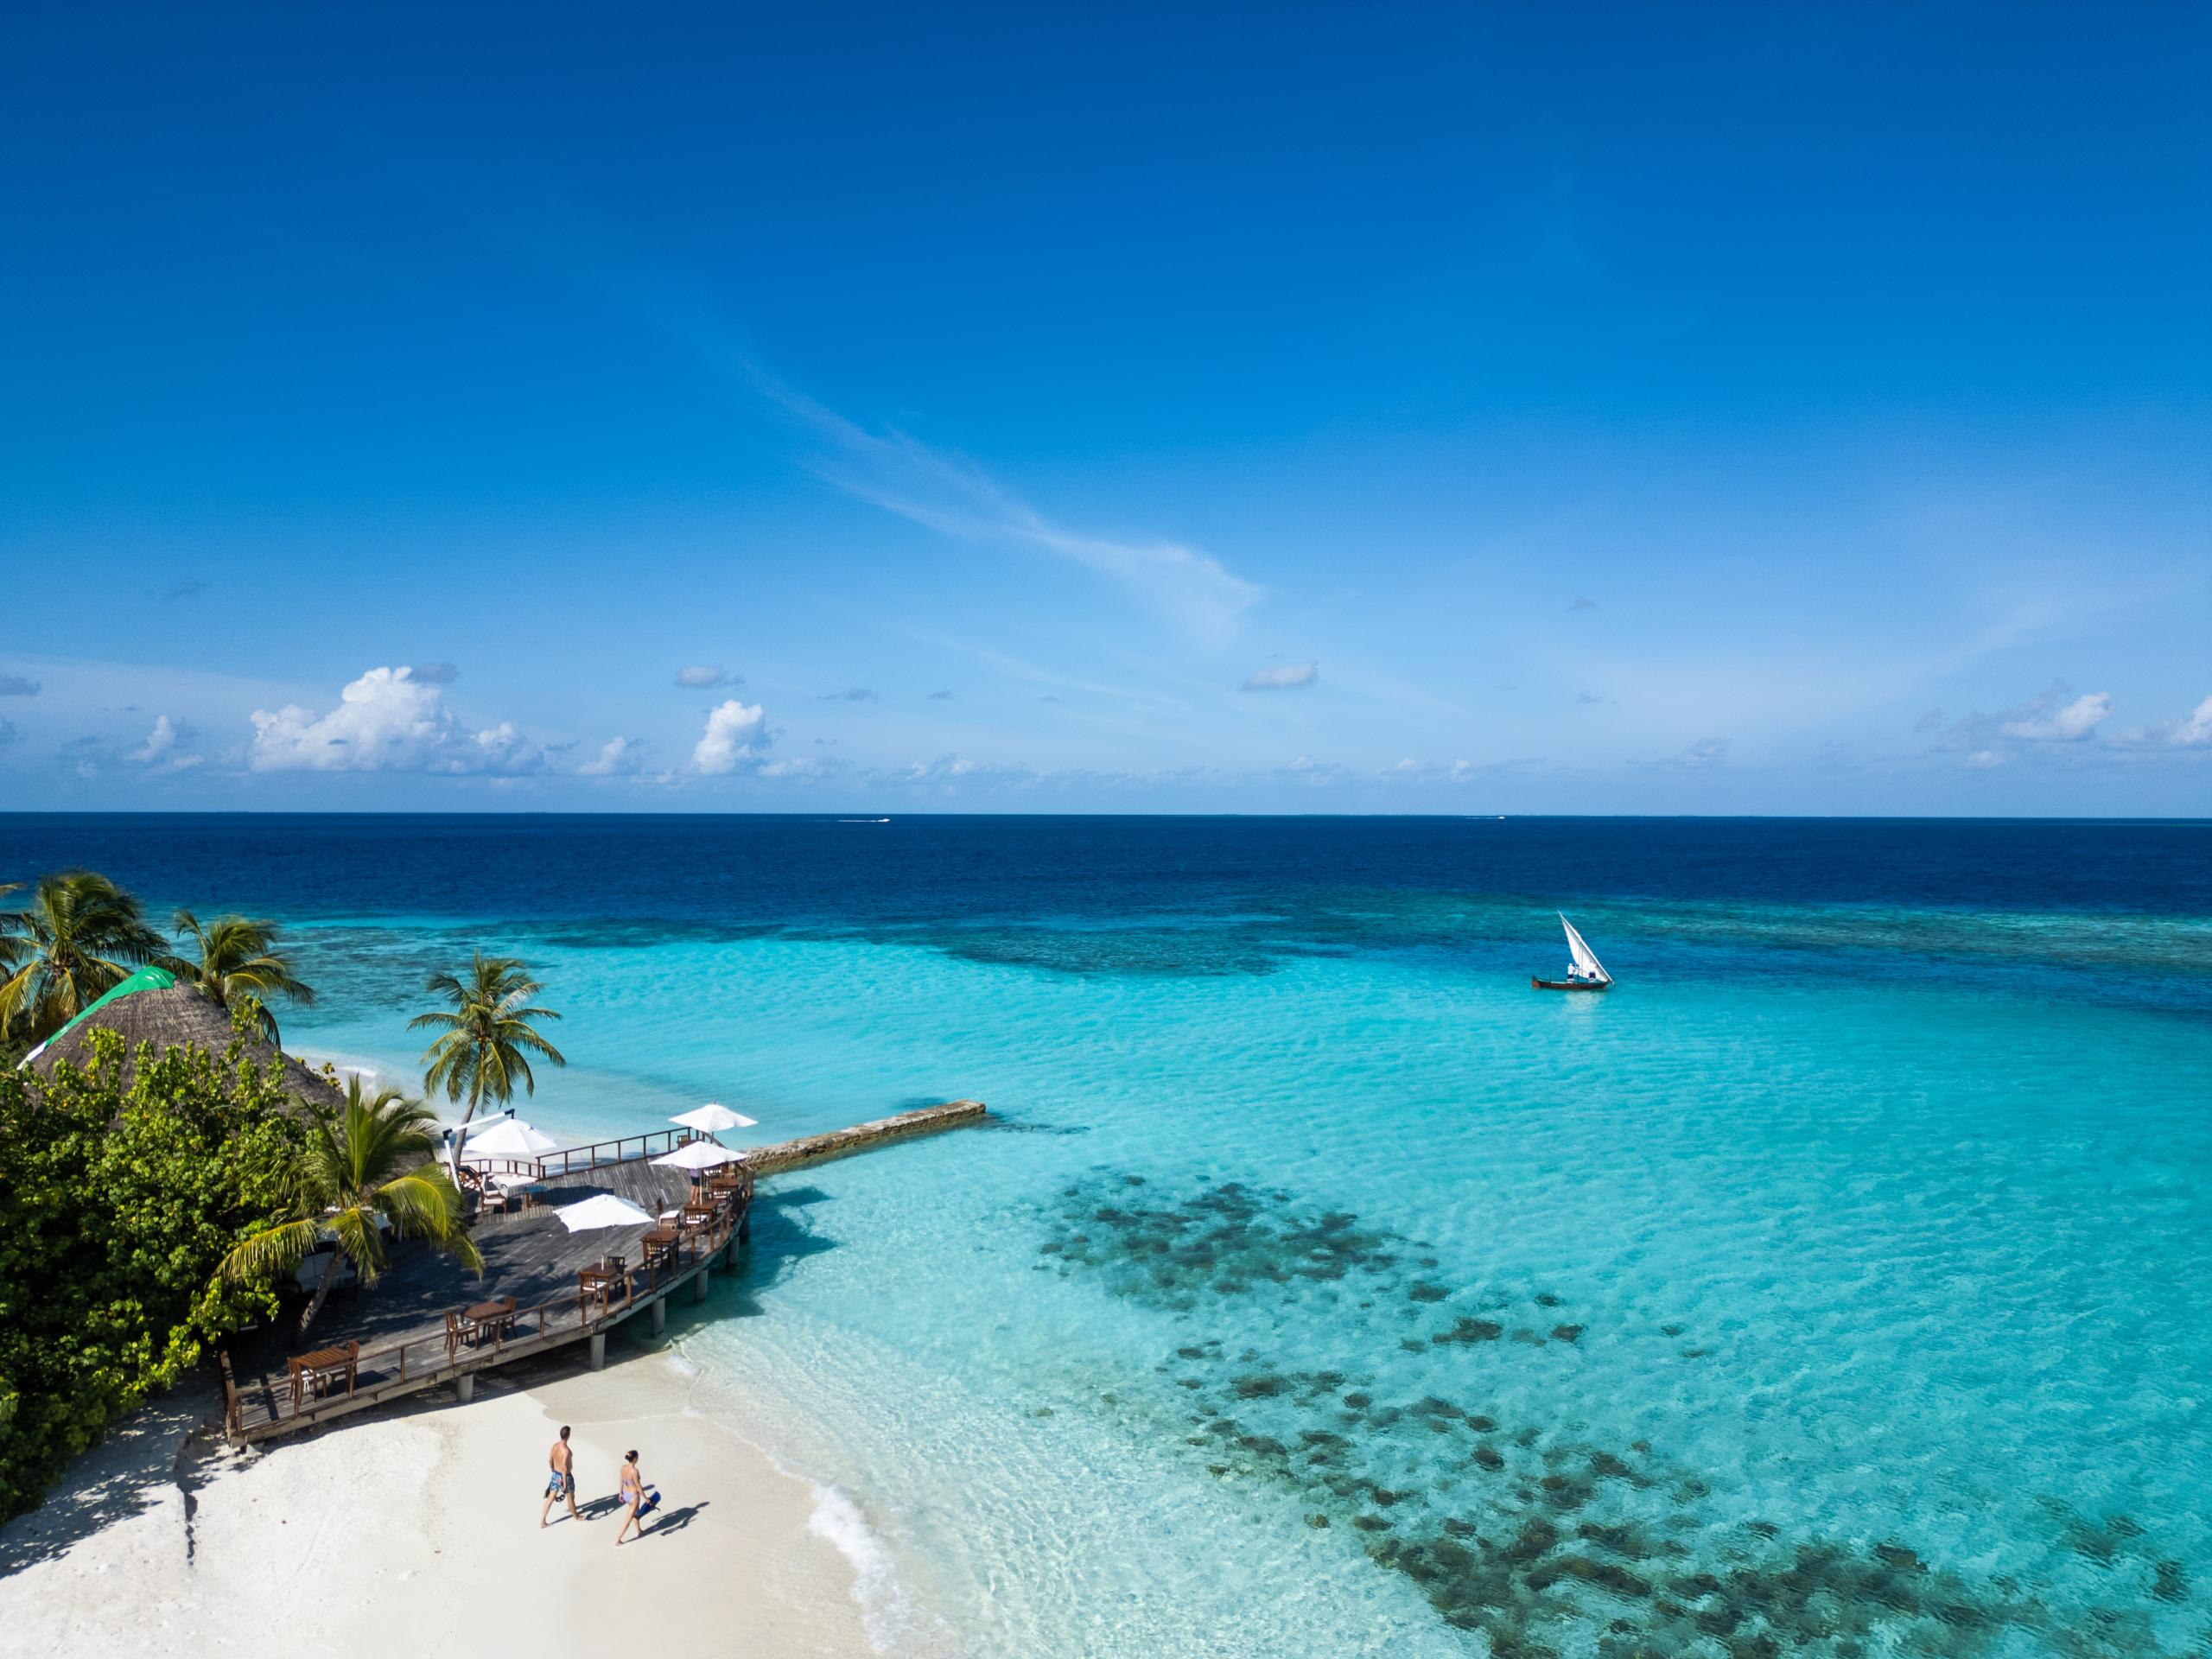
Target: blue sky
{"x": 1427, "y": 408}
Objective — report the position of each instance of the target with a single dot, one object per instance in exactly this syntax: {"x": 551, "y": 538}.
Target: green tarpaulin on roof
{"x": 146, "y": 979}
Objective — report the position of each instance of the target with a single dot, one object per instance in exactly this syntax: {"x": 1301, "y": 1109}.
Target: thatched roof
{"x": 171, "y": 1018}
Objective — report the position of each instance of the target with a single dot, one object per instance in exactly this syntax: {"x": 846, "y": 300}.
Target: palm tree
{"x": 342, "y": 1181}
{"x": 482, "y": 1049}
{"x": 79, "y": 939}
{"x": 239, "y": 955}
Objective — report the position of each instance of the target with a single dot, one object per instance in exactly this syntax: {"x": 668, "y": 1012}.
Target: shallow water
{"x": 1833, "y": 1285}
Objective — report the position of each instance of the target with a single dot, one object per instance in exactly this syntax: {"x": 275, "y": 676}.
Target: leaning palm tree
{"x": 238, "y": 956}
{"x": 78, "y": 939}
{"x": 482, "y": 1050}
{"x": 346, "y": 1176}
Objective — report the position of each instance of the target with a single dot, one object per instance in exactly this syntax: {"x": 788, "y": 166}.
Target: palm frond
{"x": 270, "y": 1251}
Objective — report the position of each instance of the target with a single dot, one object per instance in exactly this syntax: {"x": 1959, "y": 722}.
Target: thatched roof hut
{"x": 172, "y": 1018}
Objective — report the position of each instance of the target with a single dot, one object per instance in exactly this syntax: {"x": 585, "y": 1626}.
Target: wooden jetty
{"x": 428, "y": 1321}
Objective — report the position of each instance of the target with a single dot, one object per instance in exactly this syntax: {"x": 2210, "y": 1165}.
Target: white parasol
{"x": 512, "y": 1139}
{"x": 604, "y": 1210}
{"x": 698, "y": 1154}
{"x": 711, "y": 1119}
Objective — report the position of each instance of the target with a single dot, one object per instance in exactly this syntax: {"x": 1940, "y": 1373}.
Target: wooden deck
{"x": 530, "y": 1255}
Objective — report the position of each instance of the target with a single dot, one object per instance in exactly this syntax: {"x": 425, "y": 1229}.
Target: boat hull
{"x": 1570, "y": 984}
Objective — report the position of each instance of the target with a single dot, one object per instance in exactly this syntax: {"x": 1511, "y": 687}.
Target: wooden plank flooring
{"x": 528, "y": 1255}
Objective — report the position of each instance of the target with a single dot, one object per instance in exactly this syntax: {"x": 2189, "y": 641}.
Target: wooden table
{"x": 593, "y": 1283}
{"x": 494, "y": 1316}
{"x": 310, "y": 1371}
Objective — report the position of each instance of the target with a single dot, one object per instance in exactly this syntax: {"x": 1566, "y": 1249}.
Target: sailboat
{"x": 1588, "y": 974}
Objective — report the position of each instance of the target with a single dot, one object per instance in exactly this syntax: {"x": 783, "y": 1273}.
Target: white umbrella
{"x": 604, "y": 1210}
{"x": 699, "y": 1154}
{"x": 711, "y": 1119}
{"x": 512, "y": 1139}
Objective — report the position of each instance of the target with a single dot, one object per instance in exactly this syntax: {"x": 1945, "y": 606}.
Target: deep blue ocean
{"x": 1835, "y": 1284}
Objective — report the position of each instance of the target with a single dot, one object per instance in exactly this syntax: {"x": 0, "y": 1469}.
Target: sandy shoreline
{"x": 418, "y": 1525}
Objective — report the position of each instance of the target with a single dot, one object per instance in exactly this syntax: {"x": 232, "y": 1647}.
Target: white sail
{"x": 1585, "y": 964}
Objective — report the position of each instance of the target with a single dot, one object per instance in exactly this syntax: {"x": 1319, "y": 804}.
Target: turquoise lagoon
{"x": 1834, "y": 1286}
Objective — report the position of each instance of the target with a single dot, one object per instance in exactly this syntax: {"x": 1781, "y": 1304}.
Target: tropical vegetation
{"x": 149, "y": 1200}
{"x": 238, "y": 957}
{"x": 362, "y": 1167}
{"x": 486, "y": 1040}
{"x": 80, "y": 938}
{"x": 117, "y": 1204}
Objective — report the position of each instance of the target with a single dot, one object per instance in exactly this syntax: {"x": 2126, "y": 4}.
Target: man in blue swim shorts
{"x": 563, "y": 1483}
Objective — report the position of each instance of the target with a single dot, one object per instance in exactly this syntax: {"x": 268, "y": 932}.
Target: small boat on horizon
{"x": 1587, "y": 973}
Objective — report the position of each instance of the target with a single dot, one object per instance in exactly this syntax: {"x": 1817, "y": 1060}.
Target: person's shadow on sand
{"x": 674, "y": 1521}
{"x": 598, "y": 1509}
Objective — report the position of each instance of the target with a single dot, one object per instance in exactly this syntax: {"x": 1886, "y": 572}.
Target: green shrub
{"x": 115, "y": 1204}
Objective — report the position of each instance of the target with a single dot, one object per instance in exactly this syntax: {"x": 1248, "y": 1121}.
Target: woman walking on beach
{"x": 633, "y": 1495}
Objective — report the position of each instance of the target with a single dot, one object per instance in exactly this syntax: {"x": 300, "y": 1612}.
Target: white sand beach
{"x": 414, "y": 1529}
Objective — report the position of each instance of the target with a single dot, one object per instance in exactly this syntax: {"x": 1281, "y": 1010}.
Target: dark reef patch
{"x": 1528, "y": 1532}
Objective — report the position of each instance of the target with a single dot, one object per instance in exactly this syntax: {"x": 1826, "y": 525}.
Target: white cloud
{"x": 733, "y": 733}
{"x": 2056, "y": 717}
{"x": 2193, "y": 731}
{"x": 159, "y": 749}
{"x": 616, "y": 756}
{"x": 1289, "y": 677}
{"x": 386, "y": 720}
{"x": 2076, "y": 722}
{"x": 2196, "y": 732}
{"x": 1703, "y": 755}
{"x": 946, "y": 767}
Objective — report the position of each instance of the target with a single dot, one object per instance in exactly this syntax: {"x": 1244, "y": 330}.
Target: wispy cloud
{"x": 858, "y": 694}
{"x": 433, "y": 673}
{"x": 1289, "y": 677}
{"x": 14, "y": 685}
{"x": 184, "y": 588}
{"x": 1704, "y": 756}
{"x": 949, "y": 494}
{"x": 701, "y": 676}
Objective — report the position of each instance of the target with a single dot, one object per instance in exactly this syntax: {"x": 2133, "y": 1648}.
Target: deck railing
{"x": 570, "y": 1160}
{"x": 417, "y": 1358}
